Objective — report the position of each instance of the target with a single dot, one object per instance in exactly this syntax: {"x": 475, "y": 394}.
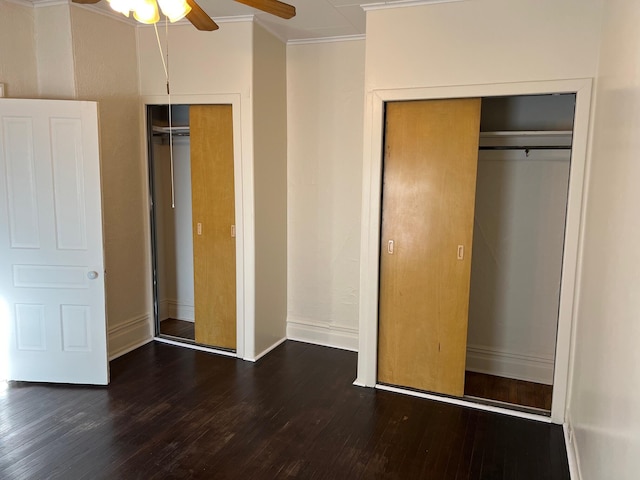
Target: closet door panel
{"x": 214, "y": 246}
{"x": 430, "y": 162}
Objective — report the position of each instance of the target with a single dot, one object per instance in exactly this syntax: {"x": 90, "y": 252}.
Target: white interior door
{"x": 52, "y": 301}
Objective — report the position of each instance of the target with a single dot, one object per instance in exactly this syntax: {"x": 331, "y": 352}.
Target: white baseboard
{"x": 321, "y": 333}
{"x": 572, "y": 451}
{"x": 182, "y": 311}
{"x": 492, "y": 361}
{"x": 129, "y": 335}
{"x": 172, "y": 308}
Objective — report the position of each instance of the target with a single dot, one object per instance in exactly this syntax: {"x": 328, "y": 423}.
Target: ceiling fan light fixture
{"x": 120, "y": 6}
{"x": 146, "y": 11}
{"x": 174, "y": 10}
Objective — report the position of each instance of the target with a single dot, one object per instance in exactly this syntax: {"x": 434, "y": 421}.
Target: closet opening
{"x": 474, "y": 198}
{"x": 191, "y": 184}
{"x": 519, "y": 222}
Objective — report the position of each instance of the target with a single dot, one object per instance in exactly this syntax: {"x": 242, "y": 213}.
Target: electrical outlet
{"x": 1, "y": 90}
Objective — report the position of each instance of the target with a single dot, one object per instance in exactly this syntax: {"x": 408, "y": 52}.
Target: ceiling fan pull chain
{"x": 173, "y": 190}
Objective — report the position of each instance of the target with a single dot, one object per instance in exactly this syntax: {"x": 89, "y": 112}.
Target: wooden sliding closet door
{"x": 429, "y": 180}
{"x": 214, "y": 243}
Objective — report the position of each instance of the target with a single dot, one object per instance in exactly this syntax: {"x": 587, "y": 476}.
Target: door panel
{"x": 52, "y": 301}
{"x": 430, "y": 162}
{"x": 214, "y": 246}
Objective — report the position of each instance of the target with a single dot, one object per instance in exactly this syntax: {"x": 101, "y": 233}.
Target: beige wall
{"x": 325, "y": 101}
{"x": 481, "y": 41}
{"x": 18, "y": 70}
{"x": 199, "y": 62}
{"x": 68, "y": 52}
{"x": 270, "y": 182}
{"x": 106, "y": 71}
{"x": 605, "y": 394}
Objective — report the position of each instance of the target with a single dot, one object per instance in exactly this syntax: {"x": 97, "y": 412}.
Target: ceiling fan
{"x": 146, "y": 11}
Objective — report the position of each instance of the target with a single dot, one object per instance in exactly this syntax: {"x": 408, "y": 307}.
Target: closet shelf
{"x": 179, "y": 130}
{"x": 529, "y": 138}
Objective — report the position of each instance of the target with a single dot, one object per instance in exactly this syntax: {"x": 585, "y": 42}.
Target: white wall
{"x": 18, "y": 68}
{"x": 270, "y": 177}
{"x": 605, "y": 393}
{"x": 481, "y": 41}
{"x": 174, "y": 233}
{"x": 518, "y": 240}
{"x": 104, "y": 51}
{"x": 325, "y": 101}
{"x": 54, "y": 50}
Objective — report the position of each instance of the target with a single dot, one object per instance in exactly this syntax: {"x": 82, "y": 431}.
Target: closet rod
{"x": 516, "y": 147}
{"x": 166, "y": 135}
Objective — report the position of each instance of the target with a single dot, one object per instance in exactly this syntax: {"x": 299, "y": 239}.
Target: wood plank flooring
{"x": 517, "y": 392}
{"x": 175, "y": 413}
{"x": 178, "y": 328}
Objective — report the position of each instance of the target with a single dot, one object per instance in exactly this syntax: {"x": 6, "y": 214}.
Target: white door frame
{"x": 243, "y": 185}
{"x": 371, "y": 204}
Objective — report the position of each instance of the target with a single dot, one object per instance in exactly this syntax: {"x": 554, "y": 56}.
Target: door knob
{"x": 92, "y": 275}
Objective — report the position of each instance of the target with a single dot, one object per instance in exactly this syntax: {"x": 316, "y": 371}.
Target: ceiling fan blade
{"x": 85, "y": 2}
{"x": 199, "y": 18}
{"x": 274, "y": 7}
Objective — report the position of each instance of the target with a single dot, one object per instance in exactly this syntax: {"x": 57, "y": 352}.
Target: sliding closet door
{"x": 214, "y": 243}
{"x": 430, "y": 161}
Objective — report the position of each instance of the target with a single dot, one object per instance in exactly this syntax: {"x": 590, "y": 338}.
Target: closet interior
{"x": 192, "y": 221}
{"x": 518, "y": 240}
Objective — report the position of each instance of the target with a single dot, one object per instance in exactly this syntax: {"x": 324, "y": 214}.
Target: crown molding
{"x": 220, "y": 20}
{"x": 49, "y": 3}
{"x": 106, "y": 12}
{"x": 339, "y": 38}
{"x": 403, "y": 4}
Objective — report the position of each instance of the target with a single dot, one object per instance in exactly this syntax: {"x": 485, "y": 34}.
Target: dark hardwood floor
{"x": 517, "y": 392}
{"x": 178, "y": 328}
{"x": 175, "y": 413}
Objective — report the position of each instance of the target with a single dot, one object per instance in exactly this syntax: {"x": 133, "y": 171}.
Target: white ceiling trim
{"x": 22, "y": 3}
{"x": 234, "y": 19}
{"x": 112, "y": 14}
{"x": 184, "y": 21}
{"x": 403, "y": 3}
{"x": 48, "y": 3}
{"x": 339, "y": 38}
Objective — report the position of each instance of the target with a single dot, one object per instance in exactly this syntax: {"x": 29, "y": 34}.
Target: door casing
{"x": 371, "y": 205}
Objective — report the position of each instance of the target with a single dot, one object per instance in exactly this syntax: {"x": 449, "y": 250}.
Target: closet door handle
{"x": 390, "y": 247}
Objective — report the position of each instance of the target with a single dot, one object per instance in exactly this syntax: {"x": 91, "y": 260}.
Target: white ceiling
{"x": 315, "y": 19}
